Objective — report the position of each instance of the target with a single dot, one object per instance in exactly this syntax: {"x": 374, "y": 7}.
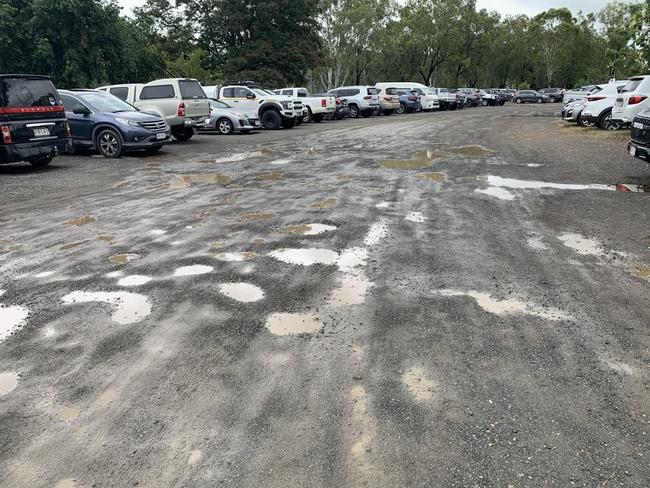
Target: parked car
{"x": 472, "y": 97}
{"x": 461, "y": 98}
{"x": 317, "y": 107}
{"x": 362, "y": 100}
{"x": 634, "y": 98}
{"x": 342, "y": 108}
{"x": 529, "y": 96}
{"x": 581, "y": 93}
{"x": 501, "y": 97}
{"x": 181, "y": 102}
{"x": 598, "y": 107}
{"x": 639, "y": 145}
{"x": 572, "y": 112}
{"x": 103, "y": 122}
{"x": 488, "y": 98}
{"x": 33, "y": 127}
{"x": 409, "y": 101}
{"x": 428, "y": 97}
{"x": 299, "y": 108}
{"x": 274, "y": 111}
{"x": 554, "y": 94}
{"x": 388, "y": 100}
{"x": 228, "y": 120}
{"x": 446, "y": 99}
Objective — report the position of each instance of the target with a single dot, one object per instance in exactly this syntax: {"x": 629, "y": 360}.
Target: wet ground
{"x": 457, "y": 299}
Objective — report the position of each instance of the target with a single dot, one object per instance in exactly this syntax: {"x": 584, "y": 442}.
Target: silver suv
{"x": 362, "y": 100}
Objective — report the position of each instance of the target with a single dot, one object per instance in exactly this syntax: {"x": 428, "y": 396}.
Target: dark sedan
{"x": 529, "y": 96}
{"x": 101, "y": 121}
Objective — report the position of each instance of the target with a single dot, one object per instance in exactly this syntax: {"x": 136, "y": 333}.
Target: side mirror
{"x": 250, "y": 96}
{"x": 80, "y": 110}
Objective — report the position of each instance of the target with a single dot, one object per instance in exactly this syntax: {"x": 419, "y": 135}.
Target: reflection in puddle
{"x": 308, "y": 229}
{"x": 185, "y": 181}
{"x": 72, "y": 245}
{"x": 433, "y": 176}
{"x": 86, "y": 219}
{"x": 236, "y": 256}
{"x": 305, "y": 257}
{"x": 418, "y": 385}
{"x": 581, "y": 244}
{"x": 496, "y": 192}
{"x": 384, "y": 204}
{"x": 194, "y": 270}
{"x": 254, "y": 216}
{"x": 123, "y": 258}
{"x": 129, "y": 307}
{"x": 8, "y": 382}
{"x": 506, "y": 307}
{"x": 421, "y": 160}
{"x": 628, "y": 188}
{"x": 12, "y": 319}
{"x": 157, "y": 232}
{"x": 292, "y": 323}
{"x": 513, "y": 183}
{"x": 416, "y": 217}
{"x": 242, "y": 292}
{"x": 134, "y": 280}
{"x": 352, "y": 258}
{"x": 44, "y": 274}
{"x": 469, "y": 151}
{"x": 327, "y": 203}
{"x": 351, "y": 291}
{"x": 108, "y": 239}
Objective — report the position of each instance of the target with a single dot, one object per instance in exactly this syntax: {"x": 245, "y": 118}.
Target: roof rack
{"x": 243, "y": 83}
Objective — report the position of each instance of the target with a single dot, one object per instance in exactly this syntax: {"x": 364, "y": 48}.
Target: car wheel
{"x": 184, "y": 134}
{"x": 109, "y": 143}
{"x": 402, "y": 108}
{"x": 518, "y": 100}
{"x": 225, "y": 126}
{"x": 318, "y": 118}
{"x": 539, "y": 100}
{"x": 41, "y": 162}
{"x": 354, "y": 111}
{"x": 307, "y": 117}
{"x": 271, "y": 120}
{"x": 583, "y": 123}
{"x": 605, "y": 122}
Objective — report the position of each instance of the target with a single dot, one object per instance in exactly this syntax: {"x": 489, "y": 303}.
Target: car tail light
{"x": 323, "y": 102}
{"x": 67, "y": 129}
{"x": 338, "y": 101}
{"x": 181, "y": 110}
{"x": 6, "y": 134}
{"x": 413, "y": 98}
{"x": 634, "y": 99}
{"x": 388, "y": 99}
{"x": 595, "y": 99}
{"x": 367, "y": 97}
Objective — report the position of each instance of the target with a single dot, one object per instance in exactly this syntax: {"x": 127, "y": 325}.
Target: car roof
{"x": 33, "y": 77}
{"x": 169, "y": 80}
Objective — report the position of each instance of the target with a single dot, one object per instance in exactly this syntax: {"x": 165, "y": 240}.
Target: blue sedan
{"x": 100, "y": 121}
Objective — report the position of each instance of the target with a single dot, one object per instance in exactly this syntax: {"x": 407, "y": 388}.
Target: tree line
{"x": 322, "y": 43}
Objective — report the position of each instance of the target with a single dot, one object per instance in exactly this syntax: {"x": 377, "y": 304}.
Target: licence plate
{"x": 619, "y": 102}
{"x": 161, "y": 135}
{"x": 632, "y": 151}
{"x": 41, "y": 132}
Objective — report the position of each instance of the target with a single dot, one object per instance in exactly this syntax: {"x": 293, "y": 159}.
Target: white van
{"x": 428, "y": 97}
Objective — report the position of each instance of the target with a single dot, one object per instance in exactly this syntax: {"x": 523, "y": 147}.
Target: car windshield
{"x": 105, "y": 102}
{"x": 262, "y": 93}
{"x": 190, "y": 89}
{"x": 26, "y": 92}
{"x": 631, "y": 86}
{"x": 219, "y": 104}
{"x": 428, "y": 91}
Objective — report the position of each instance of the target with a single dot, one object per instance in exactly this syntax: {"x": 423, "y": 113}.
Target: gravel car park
{"x": 373, "y": 302}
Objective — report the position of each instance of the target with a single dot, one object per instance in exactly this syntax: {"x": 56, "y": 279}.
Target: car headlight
{"x": 124, "y": 121}
{"x": 287, "y": 104}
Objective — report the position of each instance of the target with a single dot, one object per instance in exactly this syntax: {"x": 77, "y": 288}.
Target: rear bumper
{"x": 639, "y": 151}
{"x": 14, "y": 153}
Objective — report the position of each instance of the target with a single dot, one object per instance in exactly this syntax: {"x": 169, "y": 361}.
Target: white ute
{"x": 274, "y": 111}
{"x": 317, "y": 107}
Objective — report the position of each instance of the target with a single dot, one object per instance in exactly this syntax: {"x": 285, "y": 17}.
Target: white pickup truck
{"x": 317, "y": 107}
{"x": 180, "y": 101}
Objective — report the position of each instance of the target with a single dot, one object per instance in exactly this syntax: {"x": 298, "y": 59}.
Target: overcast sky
{"x": 530, "y": 7}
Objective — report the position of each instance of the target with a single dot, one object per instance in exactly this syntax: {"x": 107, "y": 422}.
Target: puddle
{"x": 123, "y": 258}
{"x": 433, "y": 176}
{"x": 12, "y": 319}
{"x": 114, "y": 274}
{"x": 108, "y": 239}
{"x": 421, "y": 160}
{"x": 417, "y": 384}
{"x": 351, "y": 291}
{"x": 86, "y": 219}
{"x": 129, "y": 307}
{"x": 642, "y": 270}
{"x": 308, "y": 229}
{"x": 327, "y": 203}
{"x": 628, "y": 188}
{"x": 292, "y": 323}
{"x": 67, "y": 483}
{"x": 377, "y": 232}
{"x": 305, "y": 257}
{"x": 194, "y": 270}
{"x": 72, "y": 245}
{"x": 157, "y": 232}
{"x": 259, "y": 241}
{"x": 233, "y": 158}
{"x": 8, "y": 382}
{"x": 44, "y": 274}
{"x": 236, "y": 256}
{"x": 416, "y": 217}
{"x": 272, "y": 176}
{"x": 384, "y": 205}
{"x": 582, "y": 245}
{"x": 134, "y": 280}
{"x": 496, "y": 192}
{"x": 280, "y": 161}
{"x": 254, "y": 216}
{"x": 513, "y": 183}
{"x": 534, "y": 165}
{"x": 242, "y": 292}
{"x": 506, "y": 307}
{"x": 216, "y": 244}
{"x": 66, "y": 414}
{"x": 352, "y": 258}
{"x": 186, "y": 181}
{"x": 469, "y": 151}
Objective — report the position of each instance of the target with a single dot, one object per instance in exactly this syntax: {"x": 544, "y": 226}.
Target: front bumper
{"x": 13, "y": 153}
{"x": 639, "y": 151}
{"x": 590, "y": 118}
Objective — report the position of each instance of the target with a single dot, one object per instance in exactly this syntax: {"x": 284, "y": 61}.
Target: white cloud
{"x": 533, "y": 7}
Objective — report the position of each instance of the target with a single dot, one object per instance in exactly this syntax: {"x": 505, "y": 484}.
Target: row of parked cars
{"x": 615, "y": 105}
{"x": 37, "y": 121}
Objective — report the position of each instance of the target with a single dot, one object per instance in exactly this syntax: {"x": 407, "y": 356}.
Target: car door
{"x": 81, "y": 125}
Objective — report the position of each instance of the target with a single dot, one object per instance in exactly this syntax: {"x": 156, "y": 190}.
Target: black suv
{"x": 33, "y": 126}
{"x": 554, "y": 94}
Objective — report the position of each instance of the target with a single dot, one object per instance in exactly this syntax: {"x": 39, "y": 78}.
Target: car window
{"x": 219, "y": 104}
{"x": 157, "y": 91}
{"x": 191, "y": 90}
{"x": 121, "y": 92}
{"x": 26, "y": 92}
{"x": 631, "y": 86}
{"x": 229, "y": 92}
{"x": 240, "y": 92}
{"x": 105, "y": 102}
{"x": 354, "y": 91}
{"x": 391, "y": 91}
{"x": 69, "y": 102}
{"x": 302, "y": 93}
{"x": 373, "y": 91}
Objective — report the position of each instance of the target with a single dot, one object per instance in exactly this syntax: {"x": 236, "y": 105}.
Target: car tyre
{"x": 539, "y": 100}
{"x": 184, "y": 134}
{"x": 307, "y": 117}
{"x": 41, "y": 162}
{"x": 354, "y": 111}
{"x": 605, "y": 121}
{"x": 271, "y": 120}
{"x": 109, "y": 143}
{"x": 402, "y": 108}
{"x": 225, "y": 126}
{"x": 518, "y": 100}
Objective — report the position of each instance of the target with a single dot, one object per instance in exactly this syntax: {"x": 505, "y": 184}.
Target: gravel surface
{"x": 456, "y": 299}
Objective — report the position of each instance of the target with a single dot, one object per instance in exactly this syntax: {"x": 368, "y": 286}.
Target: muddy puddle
{"x": 433, "y": 176}
{"x": 108, "y": 239}
{"x": 186, "y": 181}
{"x": 236, "y": 256}
{"x": 469, "y": 151}
{"x": 8, "y": 382}
{"x": 72, "y": 245}
{"x": 581, "y": 244}
{"x": 308, "y": 229}
{"x": 193, "y": 270}
{"x": 129, "y": 308}
{"x": 305, "y": 256}
{"x": 256, "y": 216}
{"x": 272, "y": 176}
{"x": 292, "y": 323}
{"x": 642, "y": 270}
{"x": 134, "y": 280}
{"x": 123, "y": 258}
{"x": 242, "y": 292}
{"x": 352, "y": 290}
{"x": 327, "y": 203}
{"x": 79, "y": 221}
{"x": 426, "y": 157}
